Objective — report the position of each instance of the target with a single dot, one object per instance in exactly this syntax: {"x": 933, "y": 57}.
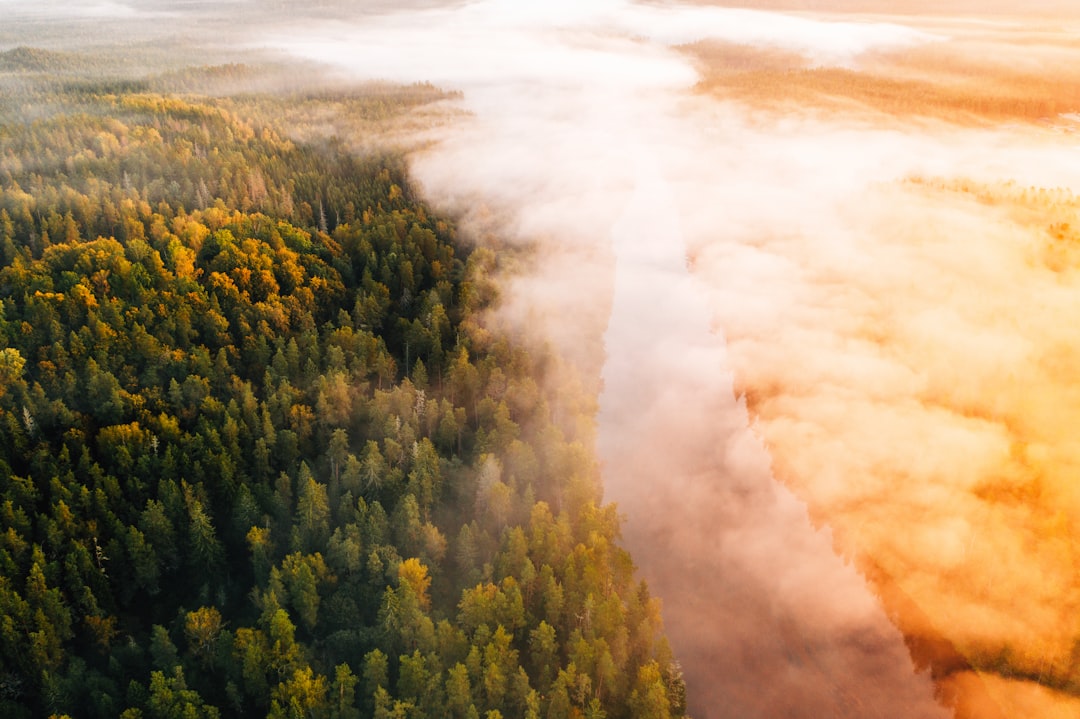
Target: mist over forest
{"x": 494, "y": 359}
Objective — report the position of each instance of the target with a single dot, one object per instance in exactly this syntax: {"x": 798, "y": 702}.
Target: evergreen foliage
{"x": 258, "y": 459}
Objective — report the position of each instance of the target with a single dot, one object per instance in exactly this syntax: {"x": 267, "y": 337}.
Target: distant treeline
{"x": 946, "y": 87}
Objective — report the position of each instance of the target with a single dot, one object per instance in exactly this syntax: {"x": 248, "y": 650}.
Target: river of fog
{"x": 766, "y": 619}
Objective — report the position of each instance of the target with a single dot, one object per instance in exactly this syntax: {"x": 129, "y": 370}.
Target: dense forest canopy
{"x": 258, "y": 456}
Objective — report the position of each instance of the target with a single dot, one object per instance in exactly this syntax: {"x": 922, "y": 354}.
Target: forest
{"x": 259, "y": 455}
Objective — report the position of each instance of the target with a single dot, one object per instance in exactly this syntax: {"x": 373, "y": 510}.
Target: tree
{"x": 337, "y": 454}
{"x": 373, "y": 467}
{"x": 343, "y": 694}
{"x": 376, "y": 672}
{"x": 649, "y": 698}
{"x": 170, "y": 698}
{"x": 543, "y": 655}
{"x": 301, "y": 696}
{"x": 160, "y": 533}
{"x": 312, "y": 512}
{"x": 345, "y": 550}
{"x": 144, "y": 561}
{"x": 163, "y": 654}
{"x": 414, "y": 575}
{"x": 302, "y": 575}
{"x": 11, "y": 368}
{"x": 415, "y": 680}
{"x": 202, "y": 627}
{"x": 205, "y": 551}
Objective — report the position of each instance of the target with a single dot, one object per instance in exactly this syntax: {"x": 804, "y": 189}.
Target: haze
{"x": 819, "y": 266}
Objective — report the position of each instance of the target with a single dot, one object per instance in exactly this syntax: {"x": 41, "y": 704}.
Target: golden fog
{"x": 916, "y": 378}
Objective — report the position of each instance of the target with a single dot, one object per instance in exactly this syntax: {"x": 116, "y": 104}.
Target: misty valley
{"x": 576, "y": 360}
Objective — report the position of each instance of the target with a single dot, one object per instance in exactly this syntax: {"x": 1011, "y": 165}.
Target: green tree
{"x": 170, "y": 698}
{"x": 312, "y": 512}
{"x": 343, "y": 694}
